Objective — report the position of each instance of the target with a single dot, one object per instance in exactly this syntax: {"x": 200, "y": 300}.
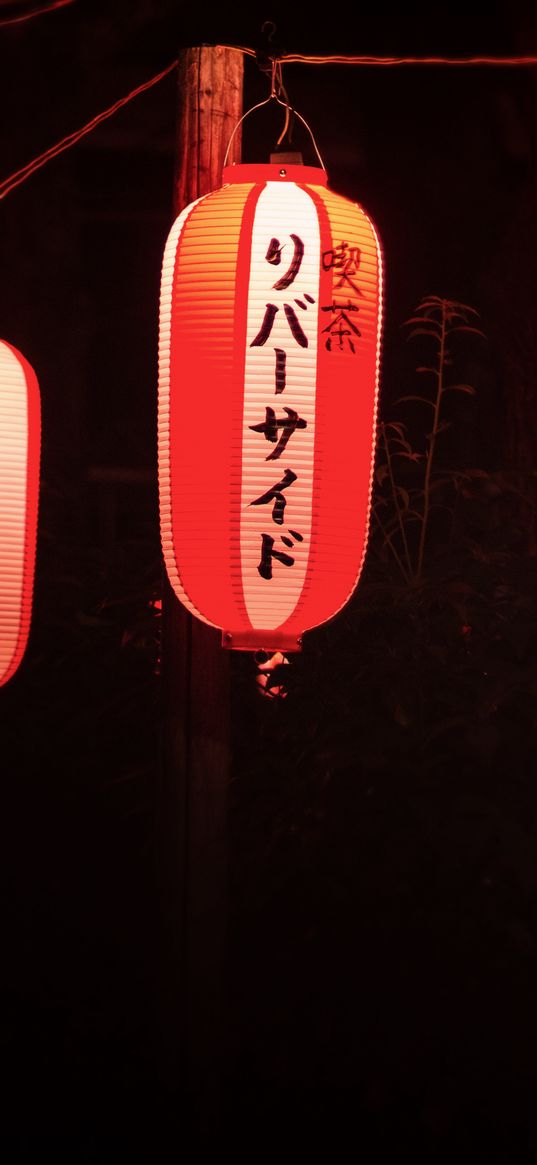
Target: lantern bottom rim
{"x": 254, "y": 639}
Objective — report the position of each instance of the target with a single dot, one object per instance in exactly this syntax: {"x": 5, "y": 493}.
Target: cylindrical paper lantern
{"x": 268, "y": 378}
{"x": 20, "y": 431}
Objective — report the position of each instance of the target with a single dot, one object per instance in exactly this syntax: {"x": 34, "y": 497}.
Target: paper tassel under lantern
{"x": 268, "y": 378}
{"x": 20, "y": 429}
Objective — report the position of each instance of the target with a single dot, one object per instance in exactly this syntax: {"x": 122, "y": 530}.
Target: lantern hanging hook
{"x": 269, "y": 62}
{"x": 275, "y": 90}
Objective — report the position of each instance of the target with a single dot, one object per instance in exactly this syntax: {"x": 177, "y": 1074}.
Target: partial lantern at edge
{"x": 20, "y": 438}
{"x": 270, "y": 324}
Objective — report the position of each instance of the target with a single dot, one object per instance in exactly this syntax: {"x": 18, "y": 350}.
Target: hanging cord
{"x": 276, "y": 88}
{"x": 277, "y": 81}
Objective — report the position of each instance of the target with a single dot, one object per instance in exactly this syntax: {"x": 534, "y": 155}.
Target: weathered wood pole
{"x": 192, "y": 802}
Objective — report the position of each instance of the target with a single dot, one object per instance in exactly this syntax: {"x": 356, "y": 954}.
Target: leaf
{"x": 460, "y": 388}
{"x": 381, "y": 473}
{"x": 431, "y": 301}
{"x": 465, "y": 307}
{"x": 441, "y": 481}
{"x": 467, "y": 328}
{"x": 421, "y": 320}
{"x": 441, "y": 506}
{"x": 405, "y": 496}
{"x": 426, "y": 369}
{"x": 396, "y": 425}
{"x": 439, "y": 428}
{"x": 410, "y": 456}
{"x": 422, "y": 332}
{"x": 422, "y": 399}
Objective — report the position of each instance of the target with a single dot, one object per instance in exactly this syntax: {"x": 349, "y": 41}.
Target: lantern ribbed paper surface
{"x": 268, "y": 380}
{"x": 19, "y": 486}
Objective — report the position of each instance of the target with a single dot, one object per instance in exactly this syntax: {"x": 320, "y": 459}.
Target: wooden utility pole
{"x": 192, "y": 809}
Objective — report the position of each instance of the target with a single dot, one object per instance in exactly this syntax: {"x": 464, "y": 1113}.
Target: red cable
{"x": 19, "y": 176}
{"x": 298, "y": 58}
{"x": 35, "y": 12}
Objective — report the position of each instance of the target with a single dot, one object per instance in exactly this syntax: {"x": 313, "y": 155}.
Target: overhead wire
{"x": 13, "y": 180}
{"x": 336, "y": 59}
{"x": 34, "y": 12}
{"x": 25, "y": 172}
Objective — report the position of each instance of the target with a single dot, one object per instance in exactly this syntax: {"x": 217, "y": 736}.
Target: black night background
{"x": 374, "y": 985}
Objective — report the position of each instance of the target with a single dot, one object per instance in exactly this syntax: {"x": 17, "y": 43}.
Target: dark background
{"x": 381, "y": 955}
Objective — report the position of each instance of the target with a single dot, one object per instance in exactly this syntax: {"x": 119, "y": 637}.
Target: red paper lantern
{"x": 20, "y": 429}
{"x": 268, "y": 378}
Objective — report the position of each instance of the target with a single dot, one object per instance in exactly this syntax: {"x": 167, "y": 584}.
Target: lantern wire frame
{"x": 276, "y": 92}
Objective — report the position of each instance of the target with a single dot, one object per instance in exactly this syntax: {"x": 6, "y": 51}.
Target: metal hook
{"x": 268, "y": 51}
{"x": 265, "y": 27}
{"x": 288, "y": 110}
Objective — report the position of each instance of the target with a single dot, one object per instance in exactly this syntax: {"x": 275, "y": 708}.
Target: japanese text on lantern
{"x": 340, "y": 333}
{"x": 278, "y": 429}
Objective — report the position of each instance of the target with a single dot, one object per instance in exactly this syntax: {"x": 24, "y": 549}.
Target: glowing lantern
{"x": 268, "y": 379}
{"x": 20, "y": 428}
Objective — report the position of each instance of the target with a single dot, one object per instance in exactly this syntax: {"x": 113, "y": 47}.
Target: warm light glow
{"x": 19, "y": 487}
{"x": 268, "y": 381}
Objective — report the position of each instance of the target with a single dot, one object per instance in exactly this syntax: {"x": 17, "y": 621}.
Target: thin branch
{"x": 388, "y": 542}
{"x": 432, "y": 443}
{"x": 396, "y": 500}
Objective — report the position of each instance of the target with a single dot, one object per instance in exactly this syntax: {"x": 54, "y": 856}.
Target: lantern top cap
{"x": 274, "y": 172}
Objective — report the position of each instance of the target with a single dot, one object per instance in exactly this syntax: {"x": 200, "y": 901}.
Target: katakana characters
{"x": 270, "y": 427}
{"x": 274, "y": 255}
{"x": 271, "y": 312}
{"x": 268, "y": 553}
{"x": 275, "y": 494}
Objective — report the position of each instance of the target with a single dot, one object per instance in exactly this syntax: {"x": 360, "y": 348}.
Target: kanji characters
{"x": 336, "y": 329}
{"x": 346, "y": 260}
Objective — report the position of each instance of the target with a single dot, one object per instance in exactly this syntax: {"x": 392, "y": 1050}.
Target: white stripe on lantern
{"x": 282, "y": 210}
{"x": 13, "y": 489}
{"x": 164, "y": 451}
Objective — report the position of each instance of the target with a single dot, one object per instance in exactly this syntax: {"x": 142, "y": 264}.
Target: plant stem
{"x": 389, "y": 543}
{"x": 396, "y": 500}
{"x": 432, "y": 443}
